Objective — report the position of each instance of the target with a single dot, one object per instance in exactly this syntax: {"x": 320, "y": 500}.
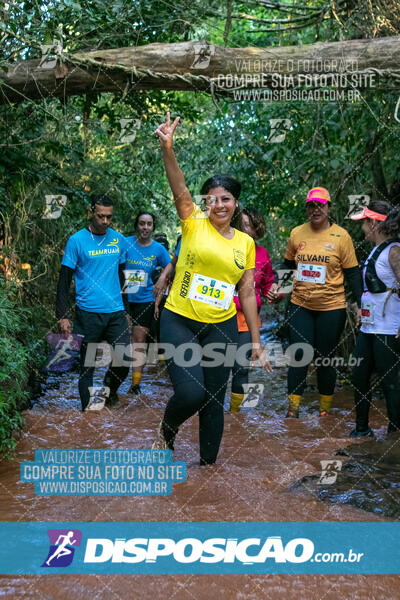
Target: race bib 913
{"x": 211, "y": 291}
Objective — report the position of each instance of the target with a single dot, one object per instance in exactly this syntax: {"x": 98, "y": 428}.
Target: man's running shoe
{"x": 135, "y": 389}
{"x": 358, "y": 434}
{"x": 292, "y": 413}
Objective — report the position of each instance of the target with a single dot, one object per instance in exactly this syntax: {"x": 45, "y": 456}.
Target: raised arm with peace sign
{"x": 183, "y": 200}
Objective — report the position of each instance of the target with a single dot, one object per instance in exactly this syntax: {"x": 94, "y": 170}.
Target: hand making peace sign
{"x": 166, "y": 131}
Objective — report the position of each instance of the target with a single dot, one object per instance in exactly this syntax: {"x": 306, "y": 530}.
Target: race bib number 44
{"x": 211, "y": 291}
{"x": 311, "y": 273}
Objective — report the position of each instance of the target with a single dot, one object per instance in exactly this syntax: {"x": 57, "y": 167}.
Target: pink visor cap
{"x": 370, "y": 214}
{"x": 318, "y": 194}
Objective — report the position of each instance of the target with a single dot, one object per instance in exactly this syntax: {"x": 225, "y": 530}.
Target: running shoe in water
{"x": 324, "y": 413}
{"x": 159, "y": 443}
{"x": 112, "y": 399}
{"x": 135, "y": 389}
{"x": 357, "y": 434}
{"x": 292, "y": 413}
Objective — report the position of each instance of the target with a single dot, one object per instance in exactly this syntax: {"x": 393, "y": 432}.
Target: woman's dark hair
{"x": 257, "y": 221}
{"x": 161, "y": 238}
{"x": 231, "y": 185}
{"x": 392, "y": 224}
{"x": 145, "y": 212}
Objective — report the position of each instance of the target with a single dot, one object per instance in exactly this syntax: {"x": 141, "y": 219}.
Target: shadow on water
{"x": 369, "y": 479}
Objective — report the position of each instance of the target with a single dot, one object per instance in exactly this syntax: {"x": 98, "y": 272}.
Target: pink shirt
{"x": 263, "y": 276}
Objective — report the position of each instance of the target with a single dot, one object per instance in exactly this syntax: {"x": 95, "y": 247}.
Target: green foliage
{"x": 23, "y": 349}
{"x": 13, "y": 370}
{"x": 10, "y": 421}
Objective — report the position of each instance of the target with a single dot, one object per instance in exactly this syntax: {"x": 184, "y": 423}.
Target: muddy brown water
{"x": 266, "y": 471}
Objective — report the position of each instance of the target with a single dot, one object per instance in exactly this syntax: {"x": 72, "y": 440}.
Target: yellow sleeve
{"x": 348, "y": 254}
{"x": 250, "y": 255}
{"x": 290, "y": 253}
{"x": 190, "y": 223}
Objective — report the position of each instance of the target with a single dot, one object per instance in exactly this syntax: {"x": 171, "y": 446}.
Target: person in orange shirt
{"x": 322, "y": 255}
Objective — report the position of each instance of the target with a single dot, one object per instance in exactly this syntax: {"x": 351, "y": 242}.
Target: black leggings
{"x": 240, "y": 373}
{"x": 322, "y": 330}
{"x": 380, "y": 353}
{"x": 197, "y": 388}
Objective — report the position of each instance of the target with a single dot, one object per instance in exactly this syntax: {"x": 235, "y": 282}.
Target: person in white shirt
{"x": 378, "y": 343}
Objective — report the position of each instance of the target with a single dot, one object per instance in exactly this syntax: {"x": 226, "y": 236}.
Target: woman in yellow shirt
{"x": 199, "y": 318}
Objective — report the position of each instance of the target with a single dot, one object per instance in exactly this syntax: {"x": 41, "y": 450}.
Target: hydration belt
{"x": 372, "y": 281}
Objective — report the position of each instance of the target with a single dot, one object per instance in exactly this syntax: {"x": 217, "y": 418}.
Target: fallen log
{"x": 199, "y": 66}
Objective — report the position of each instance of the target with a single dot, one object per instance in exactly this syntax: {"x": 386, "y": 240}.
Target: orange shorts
{"x": 242, "y": 325}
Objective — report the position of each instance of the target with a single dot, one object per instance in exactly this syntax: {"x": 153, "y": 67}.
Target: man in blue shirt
{"x": 95, "y": 256}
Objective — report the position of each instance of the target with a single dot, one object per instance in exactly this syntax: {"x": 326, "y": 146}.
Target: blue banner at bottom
{"x": 199, "y": 548}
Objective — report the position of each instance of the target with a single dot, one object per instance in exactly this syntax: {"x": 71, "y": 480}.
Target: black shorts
{"x": 142, "y": 313}
{"x": 96, "y": 327}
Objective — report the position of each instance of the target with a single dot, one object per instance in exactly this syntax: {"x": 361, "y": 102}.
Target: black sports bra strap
{"x": 372, "y": 281}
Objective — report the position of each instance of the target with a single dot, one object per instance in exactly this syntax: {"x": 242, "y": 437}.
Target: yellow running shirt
{"x": 320, "y": 259}
{"x": 208, "y": 268}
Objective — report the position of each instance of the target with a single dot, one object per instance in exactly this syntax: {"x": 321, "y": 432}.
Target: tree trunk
{"x": 198, "y": 66}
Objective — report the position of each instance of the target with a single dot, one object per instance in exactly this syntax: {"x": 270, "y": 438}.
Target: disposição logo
{"x": 62, "y": 547}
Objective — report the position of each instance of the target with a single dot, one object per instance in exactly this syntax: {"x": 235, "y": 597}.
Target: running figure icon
{"x": 62, "y": 549}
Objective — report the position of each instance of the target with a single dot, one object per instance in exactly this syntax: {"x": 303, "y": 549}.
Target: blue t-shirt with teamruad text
{"x": 95, "y": 260}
